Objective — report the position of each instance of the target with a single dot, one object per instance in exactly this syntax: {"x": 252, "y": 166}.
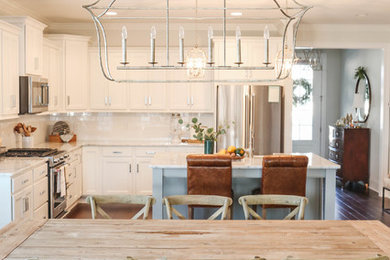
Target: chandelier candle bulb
{"x": 238, "y": 40}
{"x": 181, "y": 45}
{"x": 266, "y": 46}
{"x": 210, "y": 41}
{"x": 153, "y": 45}
{"x": 124, "y": 40}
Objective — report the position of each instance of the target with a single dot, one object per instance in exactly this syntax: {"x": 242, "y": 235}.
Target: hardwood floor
{"x": 360, "y": 205}
{"x": 350, "y": 205}
{"x": 116, "y": 211}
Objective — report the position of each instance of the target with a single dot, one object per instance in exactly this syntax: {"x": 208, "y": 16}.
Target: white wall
{"x": 344, "y": 36}
{"x": 372, "y": 60}
{"x": 331, "y": 90}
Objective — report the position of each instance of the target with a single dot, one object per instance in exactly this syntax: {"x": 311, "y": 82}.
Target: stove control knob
{"x": 61, "y": 158}
{"x": 66, "y": 156}
{"x": 55, "y": 160}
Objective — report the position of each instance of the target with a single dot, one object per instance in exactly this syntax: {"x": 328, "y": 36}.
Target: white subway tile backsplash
{"x": 101, "y": 126}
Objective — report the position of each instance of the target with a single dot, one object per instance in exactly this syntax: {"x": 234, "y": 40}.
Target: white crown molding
{"x": 345, "y": 27}
{"x": 11, "y": 8}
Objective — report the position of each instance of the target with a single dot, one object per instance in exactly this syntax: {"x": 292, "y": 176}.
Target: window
{"x": 302, "y": 112}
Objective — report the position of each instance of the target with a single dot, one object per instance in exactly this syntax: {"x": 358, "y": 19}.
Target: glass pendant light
{"x": 283, "y": 63}
{"x": 196, "y": 62}
{"x": 196, "y": 57}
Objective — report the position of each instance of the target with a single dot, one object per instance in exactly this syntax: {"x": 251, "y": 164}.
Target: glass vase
{"x": 208, "y": 147}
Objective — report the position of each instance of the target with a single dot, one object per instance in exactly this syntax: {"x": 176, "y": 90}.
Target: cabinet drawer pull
{"x": 150, "y": 152}
{"x": 116, "y": 152}
{"x": 150, "y": 100}
{"x": 192, "y": 100}
{"x": 25, "y": 181}
{"x": 42, "y": 192}
{"x": 129, "y": 167}
{"x": 146, "y": 100}
{"x": 26, "y": 204}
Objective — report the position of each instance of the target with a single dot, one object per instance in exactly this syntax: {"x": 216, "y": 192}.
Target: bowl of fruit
{"x": 235, "y": 153}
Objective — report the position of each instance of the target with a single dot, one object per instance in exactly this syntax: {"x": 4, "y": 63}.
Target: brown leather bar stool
{"x": 209, "y": 175}
{"x": 283, "y": 175}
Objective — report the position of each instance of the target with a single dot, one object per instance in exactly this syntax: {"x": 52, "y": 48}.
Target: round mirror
{"x": 362, "y": 98}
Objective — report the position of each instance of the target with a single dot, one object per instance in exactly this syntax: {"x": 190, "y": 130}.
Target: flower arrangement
{"x": 204, "y": 133}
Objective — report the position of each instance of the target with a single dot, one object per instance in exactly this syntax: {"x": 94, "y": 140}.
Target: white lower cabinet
{"x": 42, "y": 212}
{"x": 121, "y": 169}
{"x": 23, "y": 196}
{"x": 117, "y": 175}
{"x": 91, "y": 170}
{"x": 74, "y": 175}
{"x": 22, "y": 203}
{"x": 40, "y": 192}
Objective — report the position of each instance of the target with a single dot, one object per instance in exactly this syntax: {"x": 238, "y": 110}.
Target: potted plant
{"x": 208, "y": 135}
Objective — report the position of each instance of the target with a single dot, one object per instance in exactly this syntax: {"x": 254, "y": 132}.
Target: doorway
{"x": 307, "y": 104}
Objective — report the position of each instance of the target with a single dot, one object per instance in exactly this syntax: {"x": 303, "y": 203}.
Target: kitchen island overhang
{"x": 170, "y": 173}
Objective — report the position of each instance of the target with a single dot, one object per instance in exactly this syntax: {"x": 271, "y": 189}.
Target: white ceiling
{"x": 324, "y": 11}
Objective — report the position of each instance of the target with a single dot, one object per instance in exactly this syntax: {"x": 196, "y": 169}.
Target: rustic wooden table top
{"x": 194, "y": 239}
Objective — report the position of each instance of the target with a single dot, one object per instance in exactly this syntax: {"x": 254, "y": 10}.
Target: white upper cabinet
{"x": 74, "y": 70}
{"x": 52, "y": 71}
{"x": 146, "y": 96}
{"x": 106, "y": 94}
{"x": 191, "y": 97}
{"x": 98, "y": 90}
{"x": 30, "y": 44}
{"x": 252, "y": 54}
{"x": 76, "y": 74}
{"x": 9, "y": 69}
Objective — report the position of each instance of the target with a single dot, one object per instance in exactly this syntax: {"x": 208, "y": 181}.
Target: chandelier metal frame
{"x": 299, "y": 11}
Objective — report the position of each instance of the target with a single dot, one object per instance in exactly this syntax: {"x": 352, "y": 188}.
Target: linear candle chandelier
{"x": 289, "y": 16}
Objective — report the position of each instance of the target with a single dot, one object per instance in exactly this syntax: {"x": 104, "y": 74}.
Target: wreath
{"x": 305, "y": 97}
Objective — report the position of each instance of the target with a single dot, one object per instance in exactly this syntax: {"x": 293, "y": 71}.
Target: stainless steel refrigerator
{"x": 255, "y": 115}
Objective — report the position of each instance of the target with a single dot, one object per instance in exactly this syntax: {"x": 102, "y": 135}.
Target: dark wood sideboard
{"x": 350, "y": 148}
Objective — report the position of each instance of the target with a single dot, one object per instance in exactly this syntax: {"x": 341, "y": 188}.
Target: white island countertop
{"x": 178, "y": 160}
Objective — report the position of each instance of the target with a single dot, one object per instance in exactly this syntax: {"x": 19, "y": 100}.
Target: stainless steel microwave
{"x": 33, "y": 95}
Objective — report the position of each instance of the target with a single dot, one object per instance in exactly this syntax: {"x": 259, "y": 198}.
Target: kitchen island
{"x": 170, "y": 173}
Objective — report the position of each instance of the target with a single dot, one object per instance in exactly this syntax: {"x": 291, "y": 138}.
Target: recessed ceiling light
{"x": 361, "y": 15}
{"x": 111, "y": 13}
{"x": 236, "y": 14}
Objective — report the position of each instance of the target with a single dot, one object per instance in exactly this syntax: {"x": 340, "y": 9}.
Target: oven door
{"x": 39, "y": 101}
{"x": 57, "y": 191}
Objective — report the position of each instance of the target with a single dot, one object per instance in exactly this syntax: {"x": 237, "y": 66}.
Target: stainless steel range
{"x": 56, "y": 161}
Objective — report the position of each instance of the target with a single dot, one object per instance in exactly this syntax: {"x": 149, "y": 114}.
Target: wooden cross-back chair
{"x": 201, "y": 200}
{"x": 283, "y": 200}
{"x": 97, "y": 200}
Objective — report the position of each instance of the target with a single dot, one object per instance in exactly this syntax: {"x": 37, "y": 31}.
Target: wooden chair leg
{"x": 387, "y": 210}
{"x": 190, "y": 212}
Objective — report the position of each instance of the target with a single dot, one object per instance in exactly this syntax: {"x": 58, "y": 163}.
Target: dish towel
{"x": 62, "y": 183}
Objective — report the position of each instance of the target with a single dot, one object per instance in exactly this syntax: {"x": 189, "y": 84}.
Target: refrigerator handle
{"x": 246, "y": 122}
{"x": 251, "y": 127}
